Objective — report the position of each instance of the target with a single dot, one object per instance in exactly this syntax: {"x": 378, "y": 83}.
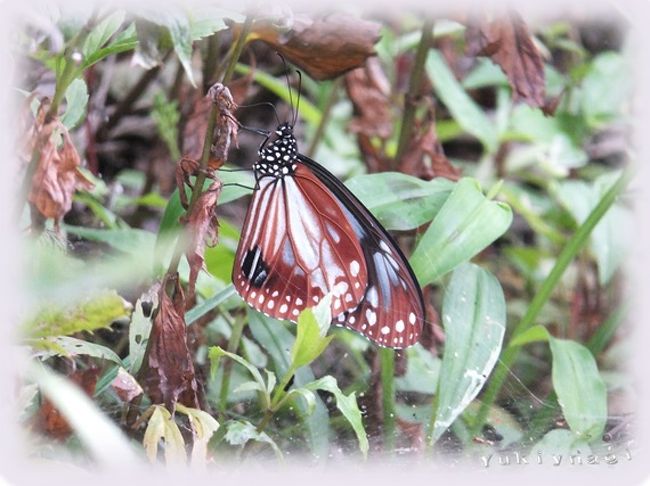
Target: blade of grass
{"x": 387, "y": 361}
{"x": 573, "y": 246}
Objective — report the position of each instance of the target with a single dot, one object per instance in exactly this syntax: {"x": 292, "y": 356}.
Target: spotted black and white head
{"x": 278, "y": 158}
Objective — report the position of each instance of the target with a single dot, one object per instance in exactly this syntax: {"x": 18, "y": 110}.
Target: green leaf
{"x": 474, "y": 318}
{"x": 76, "y": 99}
{"x": 124, "y": 41}
{"x": 207, "y": 305}
{"x": 560, "y": 444}
{"x": 181, "y": 35}
{"x": 127, "y": 240}
{"x": 422, "y": 371}
{"x": 460, "y": 105}
{"x": 610, "y": 238}
{"x": 215, "y": 353}
{"x": 531, "y": 335}
{"x": 69, "y": 347}
{"x": 580, "y": 389}
{"x": 310, "y": 336}
{"x": 161, "y": 426}
{"x": 139, "y": 331}
{"x": 399, "y": 201}
{"x": 240, "y": 432}
{"x": 606, "y": 89}
{"x": 466, "y": 224}
{"x": 109, "y": 447}
{"x": 103, "y": 31}
{"x": 94, "y": 312}
{"x": 203, "y": 428}
{"x": 348, "y": 406}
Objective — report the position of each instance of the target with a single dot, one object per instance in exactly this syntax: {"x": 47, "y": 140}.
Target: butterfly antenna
{"x": 286, "y": 75}
{"x": 261, "y": 103}
{"x": 295, "y": 114}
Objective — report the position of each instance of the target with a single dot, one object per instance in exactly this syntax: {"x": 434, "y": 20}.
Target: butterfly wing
{"x": 391, "y": 312}
{"x": 297, "y": 245}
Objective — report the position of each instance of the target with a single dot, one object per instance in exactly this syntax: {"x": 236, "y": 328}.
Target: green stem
{"x": 432, "y": 423}
{"x": 566, "y": 256}
{"x": 415, "y": 83}
{"x": 233, "y": 345}
{"x": 325, "y": 117}
{"x": 387, "y": 361}
{"x": 207, "y": 144}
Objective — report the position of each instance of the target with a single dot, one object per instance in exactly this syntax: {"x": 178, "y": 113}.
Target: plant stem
{"x": 432, "y": 423}
{"x": 207, "y": 144}
{"x": 415, "y": 83}
{"x": 233, "y": 345}
{"x": 325, "y": 117}
{"x": 387, "y": 362}
{"x": 566, "y": 256}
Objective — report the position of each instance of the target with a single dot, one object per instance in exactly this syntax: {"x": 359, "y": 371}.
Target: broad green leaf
{"x": 203, "y": 428}
{"x": 139, "y": 331}
{"x": 474, "y": 318}
{"x": 69, "y": 346}
{"x": 240, "y": 432}
{"x": 103, "y": 31}
{"x": 348, "y": 406}
{"x": 558, "y": 445}
{"x": 126, "y": 240}
{"x": 460, "y": 105}
{"x": 310, "y": 335}
{"x": 308, "y": 395}
{"x": 107, "y": 444}
{"x": 179, "y": 30}
{"x": 505, "y": 424}
{"x": 465, "y": 225}
{"x": 399, "y": 201}
{"x": 580, "y": 389}
{"x": 97, "y": 311}
{"x": 76, "y": 99}
{"x": 610, "y": 238}
{"x": 606, "y": 89}
{"x": 161, "y": 426}
{"x": 422, "y": 371}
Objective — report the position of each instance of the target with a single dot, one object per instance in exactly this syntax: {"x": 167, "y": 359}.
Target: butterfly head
{"x": 277, "y": 158}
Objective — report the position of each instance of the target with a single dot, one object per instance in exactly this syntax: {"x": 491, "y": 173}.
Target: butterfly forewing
{"x": 296, "y": 247}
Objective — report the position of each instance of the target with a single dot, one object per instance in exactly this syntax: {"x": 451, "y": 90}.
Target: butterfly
{"x": 306, "y": 235}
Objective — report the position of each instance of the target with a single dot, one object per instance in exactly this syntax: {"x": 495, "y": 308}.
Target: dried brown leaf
{"x": 425, "y": 158}
{"x": 508, "y": 42}
{"x": 201, "y": 224}
{"x": 57, "y": 175}
{"x": 126, "y": 386}
{"x": 49, "y": 420}
{"x": 324, "y": 47}
{"x": 168, "y": 371}
{"x": 368, "y": 88}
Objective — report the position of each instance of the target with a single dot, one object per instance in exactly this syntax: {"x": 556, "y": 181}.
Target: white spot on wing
{"x": 354, "y": 268}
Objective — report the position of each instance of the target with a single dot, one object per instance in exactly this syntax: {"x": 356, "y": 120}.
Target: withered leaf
{"x": 225, "y": 129}
{"x": 126, "y": 386}
{"x": 167, "y": 374}
{"x": 57, "y": 175}
{"x": 201, "y": 225}
{"x": 324, "y": 47}
{"x": 423, "y": 146}
{"x": 50, "y": 421}
{"x": 508, "y": 42}
{"x": 368, "y": 88}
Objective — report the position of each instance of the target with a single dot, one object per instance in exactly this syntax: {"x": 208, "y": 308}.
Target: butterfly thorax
{"x": 278, "y": 158}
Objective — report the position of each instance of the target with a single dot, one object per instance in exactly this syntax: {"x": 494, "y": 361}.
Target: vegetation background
{"x": 538, "y": 113}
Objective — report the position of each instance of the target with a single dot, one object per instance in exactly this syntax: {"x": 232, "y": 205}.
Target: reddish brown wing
{"x": 391, "y": 312}
{"x": 297, "y": 246}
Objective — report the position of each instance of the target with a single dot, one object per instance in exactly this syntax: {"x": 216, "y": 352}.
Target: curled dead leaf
{"x": 323, "y": 47}
{"x": 425, "y": 158}
{"x": 201, "y": 224}
{"x": 126, "y": 386}
{"x": 508, "y": 43}
{"x": 57, "y": 174}
{"x": 167, "y": 374}
{"x": 369, "y": 89}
